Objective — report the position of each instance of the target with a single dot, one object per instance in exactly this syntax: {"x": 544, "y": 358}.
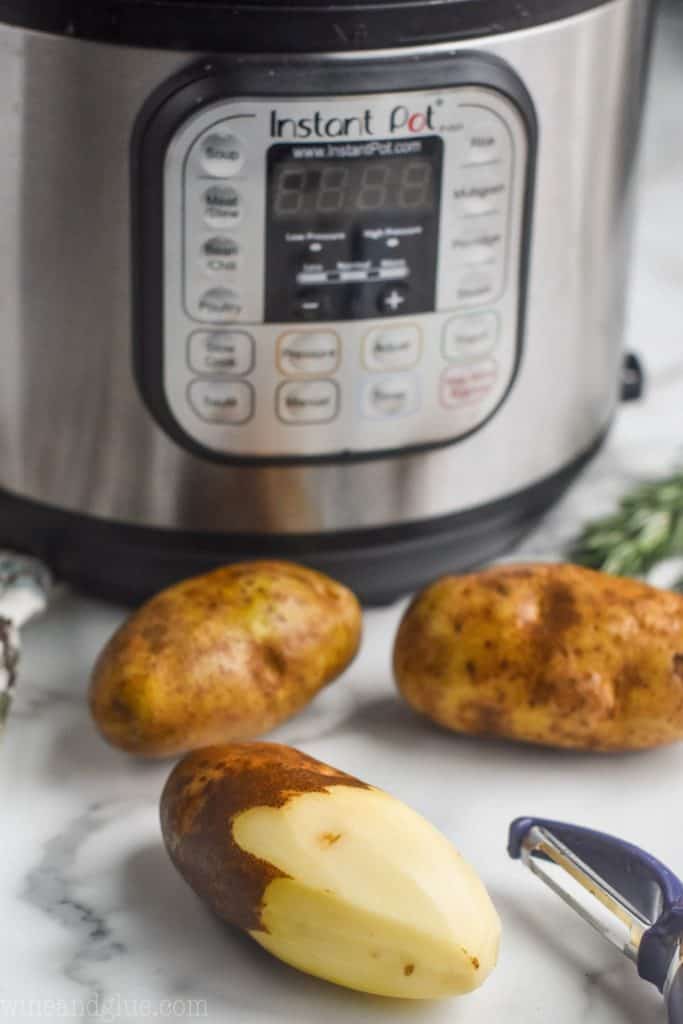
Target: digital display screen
{"x": 309, "y": 188}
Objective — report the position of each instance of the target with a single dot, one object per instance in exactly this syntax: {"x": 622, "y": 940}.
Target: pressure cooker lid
{"x": 290, "y": 26}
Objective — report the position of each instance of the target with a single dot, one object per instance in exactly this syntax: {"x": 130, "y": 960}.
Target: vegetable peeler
{"x": 643, "y": 897}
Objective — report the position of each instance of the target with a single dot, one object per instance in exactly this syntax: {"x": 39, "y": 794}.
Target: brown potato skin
{"x": 204, "y": 794}
{"x": 555, "y": 655}
{"x": 225, "y": 656}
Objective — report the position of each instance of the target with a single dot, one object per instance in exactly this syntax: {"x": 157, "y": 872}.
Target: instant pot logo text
{"x": 322, "y": 126}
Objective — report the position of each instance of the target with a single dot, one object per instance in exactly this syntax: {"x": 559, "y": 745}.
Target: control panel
{"x": 342, "y": 275}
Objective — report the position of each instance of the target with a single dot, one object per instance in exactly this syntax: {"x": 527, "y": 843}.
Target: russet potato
{"x": 225, "y": 656}
{"x": 550, "y": 654}
{"x": 327, "y": 873}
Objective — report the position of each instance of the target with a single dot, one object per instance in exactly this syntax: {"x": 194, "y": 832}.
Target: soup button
{"x": 470, "y": 337}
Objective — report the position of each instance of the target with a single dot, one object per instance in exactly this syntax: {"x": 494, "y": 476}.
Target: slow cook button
{"x": 391, "y": 396}
{"x": 308, "y": 401}
{"x": 465, "y": 385}
{"x": 392, "y": 347}
{"x": 221, "y": 352}
{"x": 309, "y": 353}
{"x": 470, "y": 337}
{"x": 487, "y": 136}
{"x": 228, "y": 401}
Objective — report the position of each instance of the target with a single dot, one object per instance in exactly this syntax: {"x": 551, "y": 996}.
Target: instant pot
{"x": 337, "y": 282}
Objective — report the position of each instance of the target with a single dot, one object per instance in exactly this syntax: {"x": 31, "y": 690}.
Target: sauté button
{"x": 303, "y": 353}
{"x": 222, "y": 154}
{"x": 465, "y": 385}
{"x": 220, "y": 304}
{"x": 393, "y": 299}
{"x": 470, "y": 337}
{"x": 229, "y": 401}
{"x": 393, "y": 395}
{"x": 222, "y": 205}
{"x": 392, "y": 347}
{"x": 221, "y": 352}
{"x": 308, "y": 401}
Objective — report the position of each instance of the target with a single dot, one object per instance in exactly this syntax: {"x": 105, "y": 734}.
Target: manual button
{"x": 308, "y": 401}
{"x": 392, "y": 347}
{"x": 221, "y": 352}
{"x": 308, "y": 353}
{"x": 390, "y": 396}
{"x": 230, "y": 401}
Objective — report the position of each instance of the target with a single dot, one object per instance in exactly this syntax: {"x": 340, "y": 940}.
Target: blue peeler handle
{"x": 644, "y": 881}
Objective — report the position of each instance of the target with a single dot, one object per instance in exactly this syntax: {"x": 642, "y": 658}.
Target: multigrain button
{"x": 221, "y": 352}
{"x": 391, "y": 396}
{"x": 220, "y": 304}
{"x": 470, "y": 337}
{"x": 392, "y": 347}
{"x": 222, "y": 154}
{"x": 228, "y": 401}
{"x": 467, "y": 385}
{"x": 480, "y": 191}
{"x": 308, "y": 401}
{"x": 222, "y": 206}
{"x": 309, "y": 353}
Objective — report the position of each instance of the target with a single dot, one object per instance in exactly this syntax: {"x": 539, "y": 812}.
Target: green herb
{"x": 647, "y": 528}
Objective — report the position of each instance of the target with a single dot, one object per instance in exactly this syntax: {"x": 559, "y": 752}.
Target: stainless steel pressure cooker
{"x": 338, "y": 282}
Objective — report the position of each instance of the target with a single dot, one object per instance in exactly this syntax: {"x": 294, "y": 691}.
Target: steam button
{"x": 222, "y": 154}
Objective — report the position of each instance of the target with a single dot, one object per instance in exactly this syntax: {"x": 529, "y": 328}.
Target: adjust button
{"x": 228, "y": 401}
{"x": 308, "y": 401}
{"x": 221, "y": 352}
{"x": 393, "y": 395}
{"x": 309, "y": 353}
{"x": 392, "y": 347}
{"x": 470, "y": 337}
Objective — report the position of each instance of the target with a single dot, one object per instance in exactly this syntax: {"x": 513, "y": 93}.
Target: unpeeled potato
{"x": 224, "y": 656}
{"x": 550, "y": 654}
{"x": 329, "y": 874}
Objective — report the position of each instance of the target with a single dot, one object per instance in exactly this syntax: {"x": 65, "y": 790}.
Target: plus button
{"x": 392, "y": 299}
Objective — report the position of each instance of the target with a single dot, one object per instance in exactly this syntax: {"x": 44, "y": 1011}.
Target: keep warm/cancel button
{"x": 308, "y": 401}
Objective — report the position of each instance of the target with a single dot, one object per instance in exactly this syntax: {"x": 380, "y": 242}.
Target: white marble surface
{"x": 94, "y": 916}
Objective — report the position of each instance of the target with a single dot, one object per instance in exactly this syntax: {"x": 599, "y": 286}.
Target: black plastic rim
{"x": 269, "y": 26}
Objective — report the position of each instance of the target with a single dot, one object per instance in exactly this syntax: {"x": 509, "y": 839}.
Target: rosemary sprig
{"x": 647, "y": 528}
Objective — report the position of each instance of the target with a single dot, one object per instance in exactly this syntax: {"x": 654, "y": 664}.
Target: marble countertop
{"x": 96, "y": 925}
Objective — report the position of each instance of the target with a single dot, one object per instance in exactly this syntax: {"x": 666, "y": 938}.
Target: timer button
{"x": 393, "y": 299}
{"x": 222, "y": 206}
{"x": 222, "y": 154}
{"x": 229, "y": 401}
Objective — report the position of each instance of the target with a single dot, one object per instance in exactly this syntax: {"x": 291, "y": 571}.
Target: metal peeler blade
{"x": 643, "y": 898}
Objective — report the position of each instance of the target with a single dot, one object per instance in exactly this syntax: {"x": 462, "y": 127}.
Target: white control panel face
{"x": 343, "y": 275}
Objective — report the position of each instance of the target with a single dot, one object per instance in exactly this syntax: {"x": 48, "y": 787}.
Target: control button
{"x": 478, "y": 241}
{"x": 304, "y": 353}
{"x": 308, "y": 401}
{"x": 480, "y": 191}
{"x": 222, "y": 206}
{"x": 220, "y": 255}
{"x": 221, "y": 352}
{"x": 220, "y": 304}
{"x": 391, "y": 396}
{"x": 226, "y": 401}
{"x": 470, "y": 337}
{"x": 476, "y": 286}
{"x": 392, "y": 347}
{"x": 393, "y": 299}
{"x": 465, "y": 385}
{"x": 487, "y": 140}
{"x": 222, "y": 154}
{"x": 311, "y": 305}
